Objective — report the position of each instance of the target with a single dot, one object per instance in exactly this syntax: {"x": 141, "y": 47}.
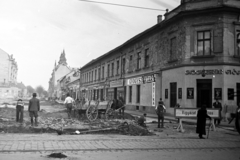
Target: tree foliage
{"x": 30, "y": 89}
{"x": 40, "y": 90}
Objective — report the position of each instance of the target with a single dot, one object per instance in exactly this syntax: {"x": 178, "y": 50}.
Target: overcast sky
{"x": 37, "y": 31}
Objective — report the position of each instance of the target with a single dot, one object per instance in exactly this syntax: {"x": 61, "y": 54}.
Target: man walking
{"x": 218, "y": 105}
{"x": 69, "y": 104}
{"x": 33, "y": 108}
{"x": 19, "y": 111}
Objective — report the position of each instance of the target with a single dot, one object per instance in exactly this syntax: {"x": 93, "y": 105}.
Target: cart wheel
{"x": 110, "y": 114}
{"x": 92, "y": 113}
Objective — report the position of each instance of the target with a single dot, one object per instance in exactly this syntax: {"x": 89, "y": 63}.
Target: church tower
{"x": 63, "y": 59}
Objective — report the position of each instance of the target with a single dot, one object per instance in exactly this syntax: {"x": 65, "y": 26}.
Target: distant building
{"x": 190, "y": 57}
{"x": 8, "y": 68}
{"x": 59, "y": 70}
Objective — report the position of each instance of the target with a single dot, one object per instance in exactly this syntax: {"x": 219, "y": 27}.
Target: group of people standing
{"x": 33, "y": 108}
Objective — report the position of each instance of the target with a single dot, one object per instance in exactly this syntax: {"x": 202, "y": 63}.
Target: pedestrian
{"x": 201, "y": 121}
{"x": 160, "y": 110}
{"x": 178, "y": 106}
{"x": 141, "y": 120}
{"x": 121, "y": 105}
{"x": 69, "y": 104}
{"x": 33, "y": 108}
{"x": 19, "y": 110}
{"x": 218, "y": 105}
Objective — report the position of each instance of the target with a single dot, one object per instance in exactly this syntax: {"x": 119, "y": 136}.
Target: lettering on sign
{"x": 153, "y": 93}
{"x": 206, "y": 72}
{"x": 232, "y": 72}
{"x": 149, "y": 79}
{"x": 138, "y": 80}
{"x": 192, "y": 112}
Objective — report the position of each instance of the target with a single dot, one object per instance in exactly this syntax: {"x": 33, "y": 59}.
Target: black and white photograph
{"x": 120, "y": 79}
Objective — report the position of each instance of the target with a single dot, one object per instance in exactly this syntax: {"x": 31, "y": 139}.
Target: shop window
{"x": 203, "y": 43}
{"x": 130, "y": 94}
{"x": 137, "y": 107}
{"x": 238, "y": 43}
{"x": 138, "y": 94}
{"x": 173, "y": 48}
{"x": 146, "y": 58}
{"x": 139, "y": 60}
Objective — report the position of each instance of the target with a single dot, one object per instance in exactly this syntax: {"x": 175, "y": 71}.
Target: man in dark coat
{"x": 201, "y": 121}
{"x": 218, "y": 105}
{"x": 33, "y": 108}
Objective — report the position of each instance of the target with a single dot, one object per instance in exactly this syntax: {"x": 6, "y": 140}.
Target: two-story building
{"x": 190, "y": 57}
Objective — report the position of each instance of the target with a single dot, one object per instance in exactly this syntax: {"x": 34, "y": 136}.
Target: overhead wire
{"x": 122, "y": 5}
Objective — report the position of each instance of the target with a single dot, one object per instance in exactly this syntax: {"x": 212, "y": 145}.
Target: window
{"x": 130, "y": 94}
{"x": 238, "y": 43}
{"x": 102, "y": 71}
{"x": 92, "y": 76}
{"x": 123, "y": 65}
{"x": 95, "y": 78}
{"x": 118, "y": 67}
{"x": 146, "y": 64}
{"x": 138, "y": 94}
{"x": 139, "y": 60}
{"x": 112, "y": 69}
{"x": 99, "y": 73}
{"x": 108, "y": 71}
{"x": 173, "y": 48}
{"x": 130, "y": 63}
{"x": 203, "y": 43}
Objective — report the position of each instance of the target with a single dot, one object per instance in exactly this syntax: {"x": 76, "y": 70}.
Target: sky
{"x": 36, "y": 32}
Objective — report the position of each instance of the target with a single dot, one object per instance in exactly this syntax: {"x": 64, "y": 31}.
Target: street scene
{"x": 129, "y": 79}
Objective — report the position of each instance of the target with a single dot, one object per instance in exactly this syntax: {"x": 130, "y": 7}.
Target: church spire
{"x": 63, "y": 59}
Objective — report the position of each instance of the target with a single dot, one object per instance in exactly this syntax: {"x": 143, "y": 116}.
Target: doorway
{"x": 238, "y": 93}
{"x": 204, "y": 93}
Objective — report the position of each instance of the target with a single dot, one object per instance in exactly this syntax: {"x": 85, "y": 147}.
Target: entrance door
{"x": 204, "y": 93}
{"x": 115, "y": 93}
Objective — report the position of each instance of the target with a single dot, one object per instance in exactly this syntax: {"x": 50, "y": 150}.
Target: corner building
{"x": 191, "y": 57}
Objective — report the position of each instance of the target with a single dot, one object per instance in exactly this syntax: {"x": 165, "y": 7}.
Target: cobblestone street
{"x": 37, "y": 146}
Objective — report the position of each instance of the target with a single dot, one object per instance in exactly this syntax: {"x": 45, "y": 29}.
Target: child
{"x": 19, "y": 111}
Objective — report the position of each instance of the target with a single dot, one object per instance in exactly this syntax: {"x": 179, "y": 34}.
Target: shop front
{"x": 116, "y": 89}
{"x": 141, "y": 93}
{"x": 200, "y": 85}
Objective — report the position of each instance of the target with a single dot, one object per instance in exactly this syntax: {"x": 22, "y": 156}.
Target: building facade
{"x": 191, "y": 57}
{"x": 60, "y": 70}
{"x": 8, "y": 68}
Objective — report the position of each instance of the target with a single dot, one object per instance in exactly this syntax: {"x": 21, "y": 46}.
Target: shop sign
{"x": 232, "y": 72}
{"x": 153, "y": 93}
{"x": 212, "y": 72}
{"x": 192, "y": 112}
{"x": 206, "y": 72}
{"x": 141, "y": 80}
{"x": 149, "y": 79}
{"x": 116, "y": 83}
{"x": 138, "y": 80}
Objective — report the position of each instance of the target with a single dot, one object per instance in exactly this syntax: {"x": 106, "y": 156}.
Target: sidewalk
{"x": 172, "y": 118}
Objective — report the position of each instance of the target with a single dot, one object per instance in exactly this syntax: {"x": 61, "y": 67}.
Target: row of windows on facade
{"x": 96, "y": 74}
{"x": 204, "y": 40}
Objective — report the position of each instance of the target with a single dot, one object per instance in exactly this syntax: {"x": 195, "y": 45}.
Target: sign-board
{"x": 192, "y": 112}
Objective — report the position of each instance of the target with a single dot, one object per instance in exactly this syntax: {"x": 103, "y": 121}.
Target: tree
{"x": 45, "y": 93}
{"x": 30, "y": 90}
{"x": 40, "y": 90}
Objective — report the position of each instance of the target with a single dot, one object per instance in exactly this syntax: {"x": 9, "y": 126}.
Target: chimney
{"x": 159, "y": 18}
